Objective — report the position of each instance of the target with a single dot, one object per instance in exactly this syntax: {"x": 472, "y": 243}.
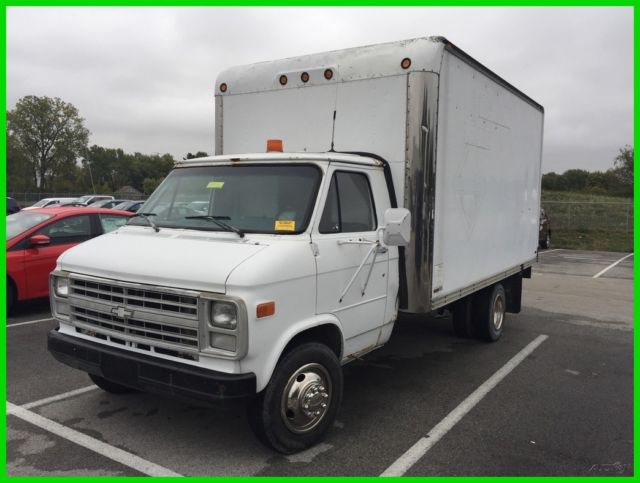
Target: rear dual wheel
{"x": 491, "y": 311}
{"x": 481, "y": 315}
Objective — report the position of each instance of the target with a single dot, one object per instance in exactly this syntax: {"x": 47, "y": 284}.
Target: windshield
{"x": 23, "y": 221}
{"x": 251, "y": 198}
{"x": 84, "y": 199}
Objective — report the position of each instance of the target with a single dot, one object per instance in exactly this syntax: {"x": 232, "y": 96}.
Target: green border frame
{"x": 363, "y": 3}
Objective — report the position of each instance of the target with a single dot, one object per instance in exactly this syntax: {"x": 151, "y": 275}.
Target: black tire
{"x": 461, "y": 316}
{"x": 11, "y": 296}
{"x": 488, "y": 303}
{"x": 546, "y": 243}
{"x": 275, "y": 423}
{"x": 110, "y": 386}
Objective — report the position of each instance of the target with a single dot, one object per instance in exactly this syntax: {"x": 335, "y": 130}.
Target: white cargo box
{"x": 464, "y": 147}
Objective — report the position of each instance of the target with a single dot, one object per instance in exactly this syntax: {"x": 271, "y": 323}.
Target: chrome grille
{"x": 170, "y": 303}
{"x": 161, "y": 332}
{"x": 144, "y": 317}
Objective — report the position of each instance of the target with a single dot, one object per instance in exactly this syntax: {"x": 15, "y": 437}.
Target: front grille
{"x": 147, "y": 318}
{"x": 171, "y": 334}
{"x": 170, "y": 303}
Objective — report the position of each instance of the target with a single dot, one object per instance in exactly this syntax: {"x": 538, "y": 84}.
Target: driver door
{"x": 344, "y": 237}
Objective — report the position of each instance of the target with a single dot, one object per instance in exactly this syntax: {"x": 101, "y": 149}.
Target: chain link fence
{"x": 25, "y": 199}
{"x": 587, "y": 225}
{"x": 591, "y": 225}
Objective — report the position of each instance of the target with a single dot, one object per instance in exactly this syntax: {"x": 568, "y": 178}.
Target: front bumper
{"x": 150, "y": 374}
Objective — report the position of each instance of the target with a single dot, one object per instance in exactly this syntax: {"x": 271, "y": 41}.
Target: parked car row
{"x": 39, "y": 234}
{"x": 94, "y": 201}
{"x": 37, "y": 237}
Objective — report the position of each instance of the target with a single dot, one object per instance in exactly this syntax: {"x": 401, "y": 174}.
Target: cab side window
{"x": 73, "y": 229}
{"x": 349, "y": 206}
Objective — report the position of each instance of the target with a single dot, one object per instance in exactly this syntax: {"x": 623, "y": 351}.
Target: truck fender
{"x": 263, "y": 376}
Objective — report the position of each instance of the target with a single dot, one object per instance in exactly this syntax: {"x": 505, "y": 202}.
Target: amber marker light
{"x": 304, "y": 77}
{"x": 223, "y": 87}
{"x": 406, "y": 63}
{"x": 283, "y": 80}
{"x": 274, "y": 145}
{"x": 328, "y": 74}
{"x": 265, "y": 310}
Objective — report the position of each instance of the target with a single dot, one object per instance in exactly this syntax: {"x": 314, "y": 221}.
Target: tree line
{"x": 616, "y": 181}
{"x": 48, "y": 151}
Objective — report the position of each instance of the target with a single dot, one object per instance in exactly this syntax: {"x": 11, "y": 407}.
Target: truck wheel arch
{"x": 324, "y": 329}
{"x": 328, "y": 334}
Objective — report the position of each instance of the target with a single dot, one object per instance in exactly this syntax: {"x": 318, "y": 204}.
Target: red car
{"x": 36, "y": 238}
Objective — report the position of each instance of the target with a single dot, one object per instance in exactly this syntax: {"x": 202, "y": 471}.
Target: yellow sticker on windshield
{"x": 285, "y": 225}
{"x": 215, "y": 184}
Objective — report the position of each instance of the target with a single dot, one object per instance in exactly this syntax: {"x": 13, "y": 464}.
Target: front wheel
{"x": 11, "y": 297}
{"x": 301, "y": 401}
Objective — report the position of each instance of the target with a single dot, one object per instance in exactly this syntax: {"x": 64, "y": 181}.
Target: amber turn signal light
{"x": 265, "y": 310}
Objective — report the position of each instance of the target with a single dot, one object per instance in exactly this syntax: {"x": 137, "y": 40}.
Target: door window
{"x": 349, "y": 206}
{"x": 73, "y": 229}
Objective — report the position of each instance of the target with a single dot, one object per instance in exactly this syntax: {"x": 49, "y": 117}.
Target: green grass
{"x": 609, "y": 241}
{"x": 589, "y": 222}
{"x": 579, "y": 196}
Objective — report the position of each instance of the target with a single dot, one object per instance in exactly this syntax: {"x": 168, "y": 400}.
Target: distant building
{"x": 128, "y": 193}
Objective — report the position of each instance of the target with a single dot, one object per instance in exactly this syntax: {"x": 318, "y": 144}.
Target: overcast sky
{"x": 143, "y": 78}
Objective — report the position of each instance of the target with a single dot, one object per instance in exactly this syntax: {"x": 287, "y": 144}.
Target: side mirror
{"x": 39, "y": 240}
{"x": 397, "y": 227}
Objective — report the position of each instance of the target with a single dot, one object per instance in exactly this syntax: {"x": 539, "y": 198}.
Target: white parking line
{"x": 612, "y": 265}
{"x": 549, "y": 251}
{"x": 59, "y": 397}
{"x": 93, "y": 444}
{"x": 418, "y": 450}
{"x": 28, "y": 322}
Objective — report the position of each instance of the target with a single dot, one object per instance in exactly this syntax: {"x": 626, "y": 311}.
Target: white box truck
{"x": 398, "y": 177}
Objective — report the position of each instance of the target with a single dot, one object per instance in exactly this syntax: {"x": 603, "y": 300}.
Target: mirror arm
{"x": 374, "y": 246}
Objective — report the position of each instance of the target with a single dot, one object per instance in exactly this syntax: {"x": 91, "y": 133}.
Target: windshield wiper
{"x": 146, "y": 217}
{"x": 218, "y": 221}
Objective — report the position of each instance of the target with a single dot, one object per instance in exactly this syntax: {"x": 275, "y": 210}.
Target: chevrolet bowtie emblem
{"x": 121, "y": 312}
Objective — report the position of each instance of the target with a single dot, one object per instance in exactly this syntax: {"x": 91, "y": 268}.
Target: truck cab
{"x": 243, "y": 276}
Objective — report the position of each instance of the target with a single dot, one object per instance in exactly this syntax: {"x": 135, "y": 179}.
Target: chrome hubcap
{"x": 498, "y": 312}
{"x": 306, "y": 398}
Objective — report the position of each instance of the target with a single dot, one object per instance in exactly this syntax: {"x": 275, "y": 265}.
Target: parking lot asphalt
{"x": 565, "y": 409}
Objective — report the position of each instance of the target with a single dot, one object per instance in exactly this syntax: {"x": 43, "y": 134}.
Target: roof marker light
{"x": 406, "y": 63}
{"x": 223, "y": 87}
{"x": 328, "y": 74}
{"x": 283, "y": 80}
{"x": 274, "y": 145}
{"x": 304, "y": 77}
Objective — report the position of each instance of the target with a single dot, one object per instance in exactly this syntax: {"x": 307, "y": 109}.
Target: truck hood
{"x": 172, "y": 258}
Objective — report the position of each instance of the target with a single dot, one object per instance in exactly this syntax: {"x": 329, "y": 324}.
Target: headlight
{"x": 61, "y": 285}
{"x": 224, "y": 315}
